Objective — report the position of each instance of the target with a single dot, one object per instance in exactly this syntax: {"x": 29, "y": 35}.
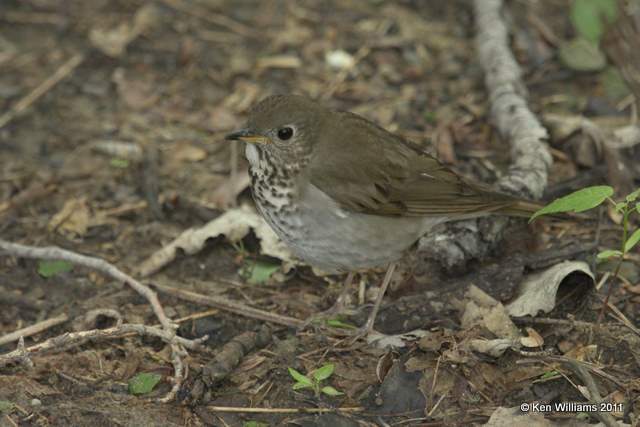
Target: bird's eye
{"x": 285, "y": 133}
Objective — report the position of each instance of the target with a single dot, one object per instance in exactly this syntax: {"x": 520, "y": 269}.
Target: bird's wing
{"x": 392, "y": 177}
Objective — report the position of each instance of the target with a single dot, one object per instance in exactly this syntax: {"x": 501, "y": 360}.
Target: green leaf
{"x": 50, "y": 268}
{"x": 302, "y": 379}
{"x": 614, "y": 85}
{"x": 335, "y": 323}
{"x": 431, "y": 117}
{"x": 300, "y": 386}
{"x": 143, "y": 383}
{"x": 6, "y": 406}
{"x": 582, "y": 55}
{"x": 589, "y": 17}
{"x": 119, "y": 163}
{"x": 330, "y": 391}
{"x": 254, "y": 424}
{"x": 579, "y": 201}
{"x": 260, "y": 271}
{"x": 609, "y": 253}
{"x": 323, "y": 372}
{"x": 620, "y": 206}
{"x": 631, "y": 197}
{"x": 638, "y": 207}
{"x": 632, "y": 240}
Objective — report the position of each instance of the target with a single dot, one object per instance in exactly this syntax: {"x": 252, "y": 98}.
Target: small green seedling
{"x": 258, "y": 272}
{"x": 317, "y": 376}
{"x": 592, "y": 197}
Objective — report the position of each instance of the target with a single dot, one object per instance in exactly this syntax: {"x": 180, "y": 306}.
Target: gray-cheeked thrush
{"x": 346, "y": 195}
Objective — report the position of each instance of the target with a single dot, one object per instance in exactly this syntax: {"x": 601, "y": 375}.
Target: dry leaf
{"x": 73, "y": 218}
{"x": 482, "y": 309}
{"x": 493, "y": 348}
{"x": 113, "y": 41}
{"x": 188, "y": 153}
{"x": 234, "y": 224}
{"x": 583, "y": 353}
{"x": 533, "y": 340}
{"x": 538, "y": 291}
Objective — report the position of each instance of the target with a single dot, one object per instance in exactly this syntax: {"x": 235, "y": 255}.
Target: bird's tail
{"x": 520, "y": 208}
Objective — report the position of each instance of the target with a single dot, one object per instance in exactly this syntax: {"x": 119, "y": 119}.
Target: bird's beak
{"x": 247, "y": 135}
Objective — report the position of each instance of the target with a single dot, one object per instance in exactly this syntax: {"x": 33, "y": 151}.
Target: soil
{"x": 125, "y": 150}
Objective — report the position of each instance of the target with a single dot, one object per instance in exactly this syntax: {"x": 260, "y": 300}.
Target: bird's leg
{"x": 337, "y": 307}
{"x": 368, "y": 326}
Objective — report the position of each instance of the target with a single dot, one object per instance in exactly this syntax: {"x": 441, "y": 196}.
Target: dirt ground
{"x": 122, "y": 149}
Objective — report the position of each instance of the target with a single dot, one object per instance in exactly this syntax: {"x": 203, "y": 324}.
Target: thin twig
{"x": 69, "y": 339}
{"x": 55, "y": 253}
{"x": 65, "y": 70}
{"x": 594, "y": 394}
{"x": 236, "y": 409}
{"x": 214, "y": 18}
{"x": 230, "y": 306}
{"x": 548, "y": 321}
{"x": 36, "y": 328}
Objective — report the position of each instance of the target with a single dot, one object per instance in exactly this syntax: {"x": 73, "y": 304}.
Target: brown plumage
{"x": 332, "y": 179}
{"x": 344, "y": 193}
{"x": 395, "y": 177}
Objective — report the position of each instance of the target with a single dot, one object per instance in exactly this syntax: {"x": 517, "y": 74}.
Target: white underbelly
{"x": 335, "y": 240}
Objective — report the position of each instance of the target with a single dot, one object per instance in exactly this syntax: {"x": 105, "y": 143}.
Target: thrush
{"x": 345, "y": 194}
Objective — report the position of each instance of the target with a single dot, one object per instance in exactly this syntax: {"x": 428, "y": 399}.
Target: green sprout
{"x": 314, "y": 379}
{"x": 592, "y": 197}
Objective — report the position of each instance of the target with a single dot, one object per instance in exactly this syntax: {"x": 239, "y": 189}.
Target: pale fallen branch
{"x": 71, "y": 339}
{"x": 530, "y": 157}
{"x": 176, "y": 343}
{"x": 55, "y": 253}
{"x": 34, "y": 329}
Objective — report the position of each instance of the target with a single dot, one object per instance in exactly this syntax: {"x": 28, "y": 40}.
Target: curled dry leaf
{"x": 384, "y": 364}
{"x": 538, "y": 291}
{"x": 234, "y": 224}
{"x": 533, "y": 340}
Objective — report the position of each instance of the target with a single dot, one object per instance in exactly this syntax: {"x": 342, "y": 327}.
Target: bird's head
{"x": 285, "y": 126}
